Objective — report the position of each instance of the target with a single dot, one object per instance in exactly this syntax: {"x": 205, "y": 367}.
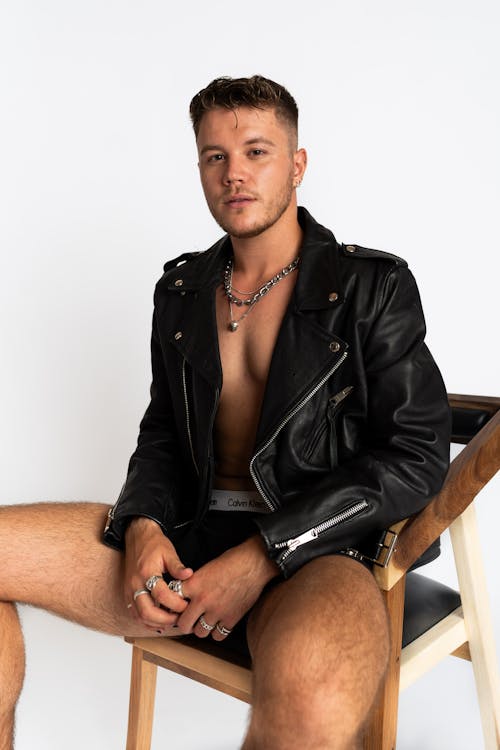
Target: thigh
{"x": 325, "y": 626}
{"x": 52, "y": 556}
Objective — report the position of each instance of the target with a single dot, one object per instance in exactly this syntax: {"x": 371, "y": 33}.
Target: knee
{"x": 307, "y": 713}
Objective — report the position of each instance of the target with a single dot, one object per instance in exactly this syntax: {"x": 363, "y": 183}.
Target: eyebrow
{"x": 249, "y": 142}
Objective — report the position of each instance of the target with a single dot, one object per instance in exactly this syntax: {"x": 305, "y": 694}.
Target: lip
{"x": 239, "y": 200}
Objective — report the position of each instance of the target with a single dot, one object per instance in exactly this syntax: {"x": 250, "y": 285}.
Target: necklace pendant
{"x": 233, "y": 326}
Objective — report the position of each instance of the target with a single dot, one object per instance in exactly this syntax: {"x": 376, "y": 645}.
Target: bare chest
{"x": 245, "y": 357}
{"x": 246, "y": 353}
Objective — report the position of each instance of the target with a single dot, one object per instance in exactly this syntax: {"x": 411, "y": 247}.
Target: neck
{"x": 256, "y": 258}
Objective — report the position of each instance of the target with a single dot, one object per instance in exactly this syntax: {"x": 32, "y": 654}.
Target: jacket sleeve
{"x": 405, "y": 452}
{"x": 153, "y": 473}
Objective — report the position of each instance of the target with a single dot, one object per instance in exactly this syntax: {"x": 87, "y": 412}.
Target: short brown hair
{"x": 257, "y": 92}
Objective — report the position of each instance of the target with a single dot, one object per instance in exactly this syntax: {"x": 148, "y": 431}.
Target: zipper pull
{"x": 109, "y": 519}
{"x": 307, "y": 536}
{"x": 339, "y": 397}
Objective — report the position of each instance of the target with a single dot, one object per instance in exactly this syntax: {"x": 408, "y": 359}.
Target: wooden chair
{"x": 451, "y": 623}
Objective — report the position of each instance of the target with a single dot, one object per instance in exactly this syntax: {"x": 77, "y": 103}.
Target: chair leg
{"x": 478, "y": 625}
{"x": 380, "y": 733}
{"x": 142, "y": 702}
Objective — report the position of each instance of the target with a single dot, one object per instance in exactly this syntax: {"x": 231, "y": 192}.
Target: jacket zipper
{"x": 290, "y": 545}
{"x": 283, "y": 423}
{"x": 111, "y": 511}
{"x": 210, "y": 449}
{"x": 186, "y": 405}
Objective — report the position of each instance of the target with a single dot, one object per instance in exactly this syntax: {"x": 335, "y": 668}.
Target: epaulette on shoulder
{"x": 365, "y": 252}
{"x": 180, "y": 260}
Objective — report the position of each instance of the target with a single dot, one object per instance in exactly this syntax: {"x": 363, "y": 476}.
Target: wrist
{"x": 141, "y": 525}
{"x": 267, "y": 567}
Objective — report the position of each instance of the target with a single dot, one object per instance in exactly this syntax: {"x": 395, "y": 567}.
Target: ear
{"x": 299, "y": 165}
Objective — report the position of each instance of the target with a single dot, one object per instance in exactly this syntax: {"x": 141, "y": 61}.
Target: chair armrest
{"x": 490, "y": 404}
{"x": 469, "y": 472}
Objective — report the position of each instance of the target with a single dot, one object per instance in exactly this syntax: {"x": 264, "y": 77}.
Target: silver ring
{"x": 129, "y": 606}
{"x": 140, "y": 592}
{"x": 204, "y": 624}
{"x": 222, "y": 630}
{"x": 176, "y": 587}
{"x": 152, "y": 581}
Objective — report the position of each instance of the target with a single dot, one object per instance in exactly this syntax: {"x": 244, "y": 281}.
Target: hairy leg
{"x": 319, "y": 643}
{"x": 12, "y": 666}
{"x": 51, "y": 556}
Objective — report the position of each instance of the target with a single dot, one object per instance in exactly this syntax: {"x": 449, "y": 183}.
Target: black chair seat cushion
{"x": 427, "y": 602}
{"x": 465, "y": 423}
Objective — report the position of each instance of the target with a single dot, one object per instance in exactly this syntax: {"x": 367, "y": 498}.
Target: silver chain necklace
{"x": 257, "y": 296}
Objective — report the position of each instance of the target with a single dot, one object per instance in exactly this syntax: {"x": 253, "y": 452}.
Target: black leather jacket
{"x": 354, "y": 429}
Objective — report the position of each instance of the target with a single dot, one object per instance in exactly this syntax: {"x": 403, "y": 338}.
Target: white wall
{"x": 98, "y": 187}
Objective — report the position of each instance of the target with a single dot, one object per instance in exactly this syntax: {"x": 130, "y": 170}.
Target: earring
{"x": 298, "y": 183}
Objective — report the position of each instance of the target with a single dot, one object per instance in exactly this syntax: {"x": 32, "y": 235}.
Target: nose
{"x": 234, "y": 172}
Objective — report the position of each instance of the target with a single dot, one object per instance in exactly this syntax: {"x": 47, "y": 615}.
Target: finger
{"x": 221, "y": 631}
{"x": 134, "y": 614}
{"x": 151, "y": 625}
{"x": 168, "y": 599}
{"x": 152, "y": 615}
{"x": 204, "y": 626}
{"x": 177, "y": 569}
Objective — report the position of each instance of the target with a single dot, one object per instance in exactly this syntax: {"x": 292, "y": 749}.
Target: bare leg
{"x": 51, "y": 556}
{"x": 11, "y": 665}
{"x": 319, "y": 642}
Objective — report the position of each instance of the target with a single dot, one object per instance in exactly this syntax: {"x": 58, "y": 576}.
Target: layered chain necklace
{"x": 253, "y": 296}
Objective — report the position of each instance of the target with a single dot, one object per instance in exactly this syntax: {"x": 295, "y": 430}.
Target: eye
{"x": 215, "y": 157}
{"x": 257, "y": 152}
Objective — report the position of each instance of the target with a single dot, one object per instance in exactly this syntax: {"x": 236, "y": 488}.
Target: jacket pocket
{"x": 321, "y": 448}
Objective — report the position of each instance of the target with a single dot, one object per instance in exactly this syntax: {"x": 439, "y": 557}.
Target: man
{"x": 295, "y": 413}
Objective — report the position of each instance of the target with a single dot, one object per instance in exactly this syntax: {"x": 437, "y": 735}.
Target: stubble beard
{"x": 274, "y": 212}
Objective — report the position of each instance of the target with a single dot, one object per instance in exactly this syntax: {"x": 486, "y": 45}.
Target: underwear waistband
{"x": 238, "y": 500}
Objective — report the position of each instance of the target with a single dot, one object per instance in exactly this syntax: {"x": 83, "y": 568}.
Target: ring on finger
{"x": 140, "y": 592}
{"x": 222, "y": 630}
{"x": 152, "y": 581}
{"x": 204, "y": 624}
{"x": 176, "y": 587}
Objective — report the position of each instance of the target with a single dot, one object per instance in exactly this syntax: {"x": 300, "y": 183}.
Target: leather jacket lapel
{"x": 198, "y": 340}
{"x": 307, "y": 347}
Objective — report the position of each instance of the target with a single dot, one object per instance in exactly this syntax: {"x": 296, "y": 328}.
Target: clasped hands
{"x": 214, "y": 597}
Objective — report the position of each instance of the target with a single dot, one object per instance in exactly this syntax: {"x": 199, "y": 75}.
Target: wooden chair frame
{"x": 467, "y": 632}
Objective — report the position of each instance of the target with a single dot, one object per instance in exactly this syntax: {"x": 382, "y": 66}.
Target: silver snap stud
{"x": 333, "y": 297}
{"x": 350, "y": 248}
{"x": 179, "y": 282}
{"x": 334, "y": 346}
{"x": 178, "y": 335}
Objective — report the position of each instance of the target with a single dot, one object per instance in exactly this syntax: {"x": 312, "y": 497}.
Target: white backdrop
{"x": 98, "y": 187}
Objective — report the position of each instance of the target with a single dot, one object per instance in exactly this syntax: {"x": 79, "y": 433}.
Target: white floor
{"x": 76, "y": 692}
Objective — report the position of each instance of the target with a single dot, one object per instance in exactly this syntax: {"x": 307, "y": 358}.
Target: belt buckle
{"x": 386, "y": 548}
